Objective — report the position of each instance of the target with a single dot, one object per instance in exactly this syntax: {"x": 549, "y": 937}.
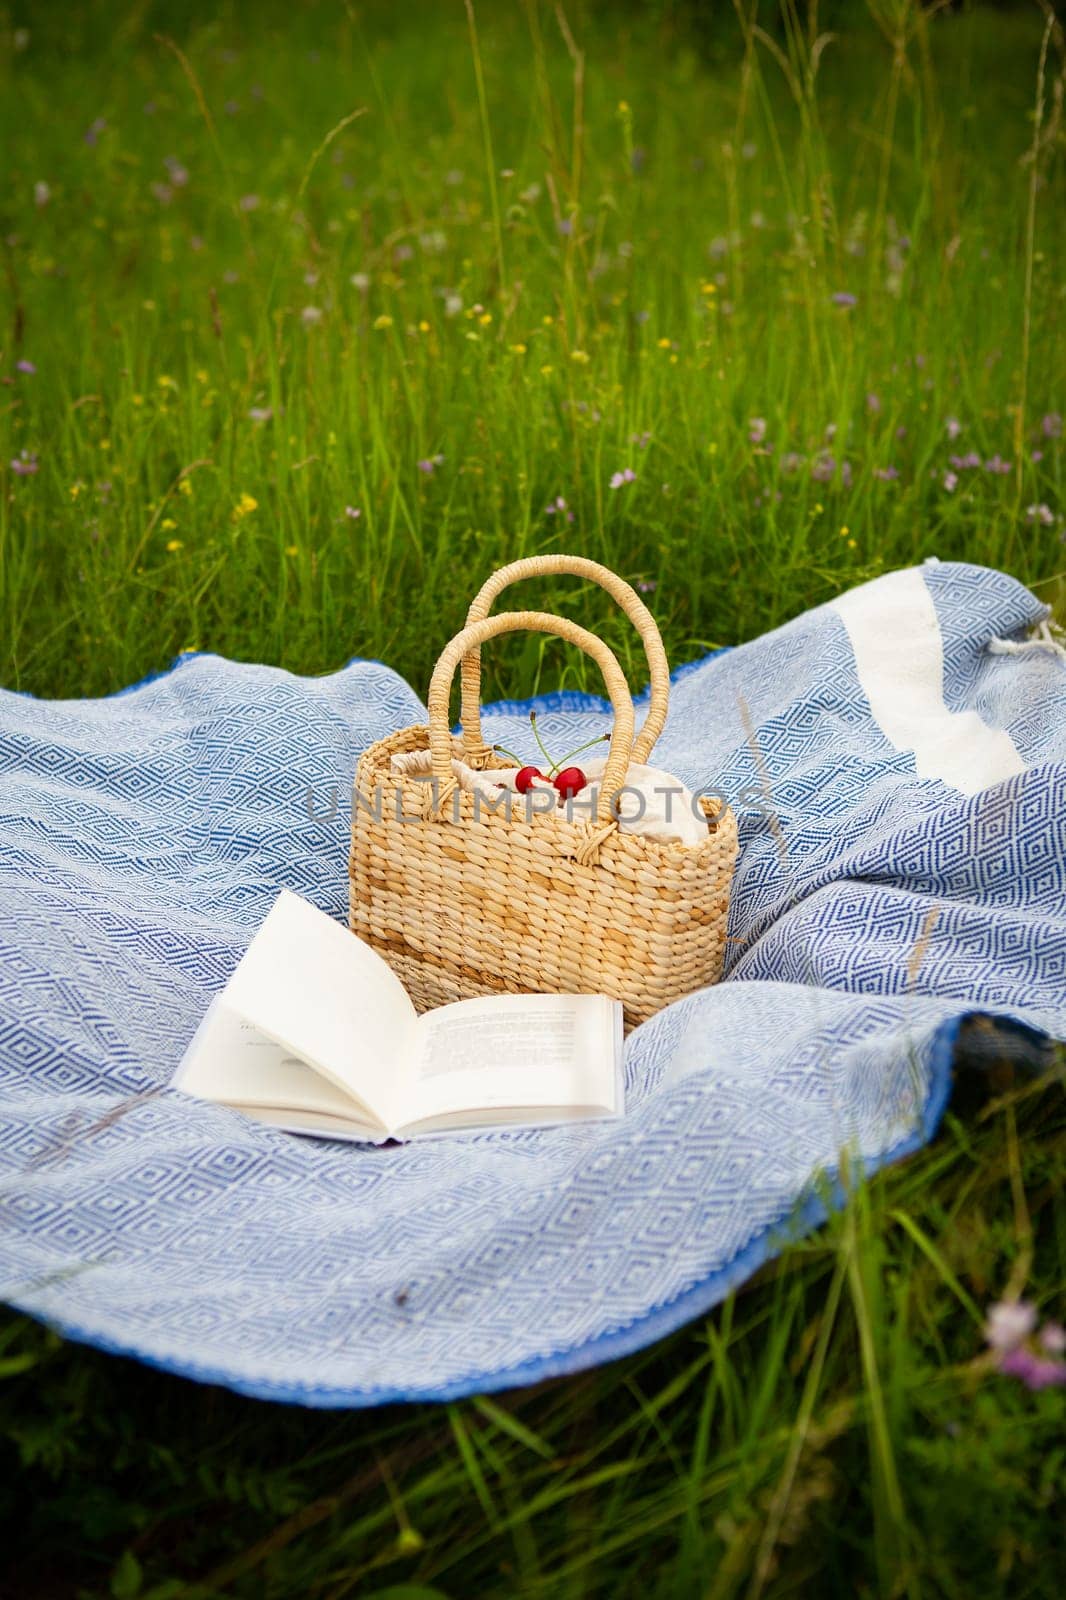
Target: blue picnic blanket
{"x": 897, "y": 760}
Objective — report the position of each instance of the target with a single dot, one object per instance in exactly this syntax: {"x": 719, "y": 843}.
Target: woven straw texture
{"x": 464, "y": 901}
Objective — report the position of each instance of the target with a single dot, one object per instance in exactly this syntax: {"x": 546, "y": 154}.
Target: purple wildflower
{"x": 25, "y": 465}
{"x": 1053, "y": 1338}
{"x": 249, "y": 202}
{"x": 950, "y": 481}
{"x": 1036, "y": 1372}
{"x": 1052, "y": 425}
{"x": 430, "y": 464}
{"x": 791, "y": 461}
{"x": 963, "y": 463}
{"x": 843, "y": 298}
{"x": 627, "y": 475}
{"x": 1037, "y": 456}
{"x": 886, "y": 474}
{"x": 353, "y": 512}
{"x": 997, "y": 464}
{"x": 310, "y": 315}
{"x": 25, "y": 366}
{"x": 558, "y": 507}
{"x": 823, "y": 469}
{"x": 565, "y": 225}
{"x": 94, "y": 130}
{"x": 1040, "y": 513}
{"x": 953, "y": 427}
{"x": 641, "y": 440}
{"x": 873, "y": 403}
{"x": 648, "y": 585}
{"x": 261, "y": 413}
{"x": 757, "y": 430}
{"x": 177, "y": 174}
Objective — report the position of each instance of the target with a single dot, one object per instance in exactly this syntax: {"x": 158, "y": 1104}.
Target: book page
{"x": 232, "y": 1063}
{"x": 511, "y": 1053}
{"x": 312, "y": 986}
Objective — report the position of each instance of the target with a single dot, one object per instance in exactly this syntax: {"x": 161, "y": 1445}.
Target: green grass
{"x": 545, "y": 250}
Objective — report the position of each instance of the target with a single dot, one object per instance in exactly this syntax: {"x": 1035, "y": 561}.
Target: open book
{"x": 316, "y": 1034}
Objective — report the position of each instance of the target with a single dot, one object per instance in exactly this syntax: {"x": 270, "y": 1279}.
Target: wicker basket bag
{"x": 463, "y": 899}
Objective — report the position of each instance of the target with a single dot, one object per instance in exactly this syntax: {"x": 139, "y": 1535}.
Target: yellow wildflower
{"x": 292, "y": 550}
{"x": 167, "y": 523}
{"x": 174, "y": 545}
{"x": 708, "y": 288}
{"x": 165, "y": 381}
{"x": 664, "y": 344}
{"x": 546, "y": 372}
{"x": 485, "y": 318}
{"x": 185, "y": 486}
{"x": 518, "y": 349}
{"x": 547, "y": 321}
{"x": 202, "y": 375}
{"x": 845, "y": 530}
{"x": 138, "y": 399}
{"x": 244, "y": 507}
{"x": 580, "y": 356}
{"x": 423, "y": 326}
{"x": 382, "y": 322}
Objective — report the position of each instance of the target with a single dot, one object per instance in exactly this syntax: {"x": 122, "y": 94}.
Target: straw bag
{"x": 462, "y": 900}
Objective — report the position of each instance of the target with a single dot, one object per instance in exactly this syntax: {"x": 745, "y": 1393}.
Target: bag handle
{"x": 630, "y": 602}
{"x": 472, "y": 638}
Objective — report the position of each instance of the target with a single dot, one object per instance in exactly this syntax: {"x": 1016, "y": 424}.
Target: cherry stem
{"x": 503, "y": 751}
{"x": 540, "y": 741}
{"x": 558, "y": 765}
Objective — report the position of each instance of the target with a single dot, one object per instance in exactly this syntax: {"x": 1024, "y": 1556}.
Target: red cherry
{"x": 524, "y": 780}
{"x": 569, "y": 782}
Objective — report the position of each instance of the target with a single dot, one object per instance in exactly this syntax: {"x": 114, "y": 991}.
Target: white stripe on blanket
{"x": 895, "y": 636}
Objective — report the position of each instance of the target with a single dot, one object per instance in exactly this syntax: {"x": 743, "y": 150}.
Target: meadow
{"x": 310, "y": 316}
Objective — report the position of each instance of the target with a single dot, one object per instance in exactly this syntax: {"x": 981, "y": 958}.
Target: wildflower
{"x": 641, "y": 440}
{"x": 167, "y": 524}
{"x": 25, "y": 366}
{"x": 403, "y": 252}
{"x": 174, "y": 545}
{"x": 165, "y": 381}
{"x": 1053, "y": 1338}
{"x": 453, "y": 304}
{"x": 843, "y": 298}
{"x": 757, "y": 430}
{"x": 997, "y": 465}
{"x": 382, "y": 322}
{"x": 42, "y": 193}
{"x": 1041, "y": 513}
{"x": 261, "y": 413}
{"x": 453, "y": 177}
{"x": 424, "y": 326}
{"x": 249, "y": 202}
{"x": 963, "y": 463}
{"x": 1036, "y": 1372}
{"x": 953, "y": 427}
{"x": 627, "y": 475}
{"x": 185, "y": 487}
{"x": 1052, "y": 425}
{"x": 565, "y": 225}
{"x": 518, "y": 349}
{"x": 664, "y": 344}
{"x": 1036, "y": 456}
{"x": 292, "y": 550}
{"x": 1008, "y": 1323}
{"x": 485, "y": 318}
{"x": 581, "y": 357}
{"x": 547, "y": 371}
{"x": 353, "y": 512}
{"x": 244, "y": 507}
{"x": 648, "y": 585}
{"x": 823, "y": 468}
{"x": 310, "y": 315}
{"x": 25, "y": 465}
{"x": 430, "y": 464}
{"x": 558, "y": 507}
{"x": 886, "y": 474}
{"x": 95, "y": 129}
{"x": 708, "y": 288}
{"x": 791, "y": 461}
{"x": 950, "y": 481}
{"x": 360, "y": 281}
{"x": 873, "y": 403}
